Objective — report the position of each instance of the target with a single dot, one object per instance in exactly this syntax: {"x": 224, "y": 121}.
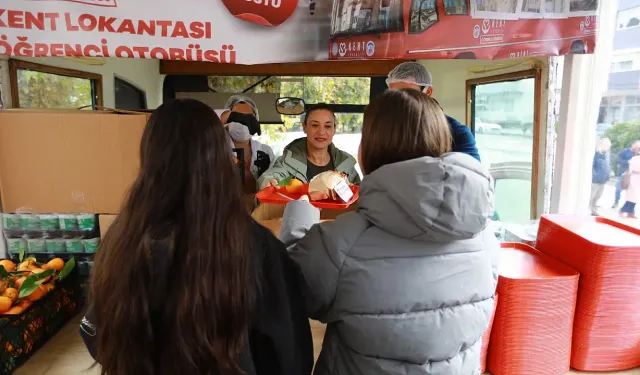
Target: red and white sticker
{"x": 344, "y": 191}
{"x": 270, "y": 13}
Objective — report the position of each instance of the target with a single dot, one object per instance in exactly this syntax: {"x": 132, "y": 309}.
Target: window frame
{"x": 15, "y": 65}
{"x": 536, "y": 74}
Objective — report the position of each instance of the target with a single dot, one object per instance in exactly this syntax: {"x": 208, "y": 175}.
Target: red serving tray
{"x": 279, "y": 195}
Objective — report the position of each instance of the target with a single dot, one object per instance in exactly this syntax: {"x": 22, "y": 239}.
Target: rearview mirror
{"x": 290, "y": 106}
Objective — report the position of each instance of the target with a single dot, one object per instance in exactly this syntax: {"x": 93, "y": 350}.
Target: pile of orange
{"x": 10, "y": 302}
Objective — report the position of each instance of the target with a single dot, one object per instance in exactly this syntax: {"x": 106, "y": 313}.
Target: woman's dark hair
{"x": 402, "y": 125}
{"x": 319, "y": 107}
{"x": 172, "y": 286}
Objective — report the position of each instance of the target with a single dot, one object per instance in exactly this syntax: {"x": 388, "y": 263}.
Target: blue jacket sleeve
{"x": 463, "y": 139}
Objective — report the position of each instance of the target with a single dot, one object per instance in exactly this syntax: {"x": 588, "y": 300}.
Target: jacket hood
{"x": 429, "y": 199}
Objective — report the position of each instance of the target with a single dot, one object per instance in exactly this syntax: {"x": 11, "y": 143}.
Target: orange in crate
{"x": 607, "y": 320}
{"x": 533, "y": 321}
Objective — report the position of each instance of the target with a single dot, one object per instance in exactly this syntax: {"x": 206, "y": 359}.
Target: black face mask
{"x": 262, "y": 162}
{"x": 250, "y": 121}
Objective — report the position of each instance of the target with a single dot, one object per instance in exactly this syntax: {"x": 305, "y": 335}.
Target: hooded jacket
{"x": 293, "y": 162}
{"x": 405, "y": 283}
{"x": 601, "y": 169}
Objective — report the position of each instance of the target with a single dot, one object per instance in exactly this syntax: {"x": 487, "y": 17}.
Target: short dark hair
{"x": 319, "y": 107}
{"x": 402, "y": 125}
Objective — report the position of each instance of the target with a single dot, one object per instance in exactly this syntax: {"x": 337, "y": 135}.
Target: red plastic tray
{"x": 280, "y": 196}
{"x": 533, "y": 321}
{"x": 607, "y": 318}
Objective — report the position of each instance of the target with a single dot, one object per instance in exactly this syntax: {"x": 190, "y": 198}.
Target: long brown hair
{"x": 173, "y": 282}
{"x": 402, "y": 125}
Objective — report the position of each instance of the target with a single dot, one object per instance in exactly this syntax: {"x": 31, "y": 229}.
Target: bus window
{"x": 424, "y": 14}
{"x": 354, "y": 17}
{"x": 456, "y": 7}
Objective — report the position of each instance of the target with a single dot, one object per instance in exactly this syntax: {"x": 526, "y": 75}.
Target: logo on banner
{"x": 99, "y": 3}
{"x": 270, "y": 13}
{"x": 371, "y": 48}
{"x": 486, "y": 26}
{"x": 342, "y": 49}
{"x": 334, "y": 49}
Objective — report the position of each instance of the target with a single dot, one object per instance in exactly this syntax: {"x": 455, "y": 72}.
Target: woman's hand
{"x": 273, "y": 182}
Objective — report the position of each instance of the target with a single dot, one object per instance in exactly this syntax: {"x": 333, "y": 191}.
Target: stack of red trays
{"x": 485, "y": 340}
{"x": 533, "y": 322}
{"x": 607, "y": 320}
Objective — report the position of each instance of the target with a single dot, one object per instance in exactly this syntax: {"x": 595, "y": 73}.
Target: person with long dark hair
{"x": 184, "y": 281}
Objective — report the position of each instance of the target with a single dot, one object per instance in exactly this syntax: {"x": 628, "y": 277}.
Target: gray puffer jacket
{"x": 405, "y": 283}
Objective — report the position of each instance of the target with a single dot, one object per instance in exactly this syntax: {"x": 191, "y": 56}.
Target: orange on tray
{"x": 607, "y": 319}
{"x": 296, "y": 186}
{"x": 279, "y": 195}
{"x": 533, "y": 321}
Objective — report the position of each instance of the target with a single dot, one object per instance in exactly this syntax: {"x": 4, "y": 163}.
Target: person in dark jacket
{"x": 185, "y": 282}
{"x": 414, "y": 75}
{"x": 601, "y": 171}
{"x": 622, "y": 167}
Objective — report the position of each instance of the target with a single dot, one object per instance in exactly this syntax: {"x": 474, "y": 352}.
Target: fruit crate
{"x": 84, "y": 264}
{"x": 22, "y": 335}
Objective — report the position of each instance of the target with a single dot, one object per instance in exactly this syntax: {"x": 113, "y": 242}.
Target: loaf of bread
{"x": 322, "y": 186}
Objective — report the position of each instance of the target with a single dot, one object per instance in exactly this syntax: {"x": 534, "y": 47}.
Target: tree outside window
{"x": 41, "y": 86}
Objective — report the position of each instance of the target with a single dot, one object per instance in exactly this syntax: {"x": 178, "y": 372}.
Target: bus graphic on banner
{"x": 444, "y": 29}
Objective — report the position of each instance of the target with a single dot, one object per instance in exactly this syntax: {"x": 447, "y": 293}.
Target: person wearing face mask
{"x": 241, "y": 117}
{"x": 413, "y": 75}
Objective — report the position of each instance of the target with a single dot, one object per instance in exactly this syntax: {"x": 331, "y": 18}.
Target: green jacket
{"x": 293, "y": 162}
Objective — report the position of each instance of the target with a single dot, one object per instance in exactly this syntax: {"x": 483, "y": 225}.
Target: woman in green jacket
{"x": 307, "y": 157}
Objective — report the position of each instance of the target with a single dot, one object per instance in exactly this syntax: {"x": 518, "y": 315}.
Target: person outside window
{"x": 601, "y": 172}
{"x": 622, "y": 166}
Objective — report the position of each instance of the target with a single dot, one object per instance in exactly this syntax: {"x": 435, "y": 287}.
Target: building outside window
{"x": 628, "y": 18}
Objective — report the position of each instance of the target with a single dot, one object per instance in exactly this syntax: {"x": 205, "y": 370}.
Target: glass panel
{"x": 423, "y": 15}
{"x": 46, "y": 90}
{"x": 504, "y": 134}
{"x": 333, "y": 90}
{"x": 238, "y": 84}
